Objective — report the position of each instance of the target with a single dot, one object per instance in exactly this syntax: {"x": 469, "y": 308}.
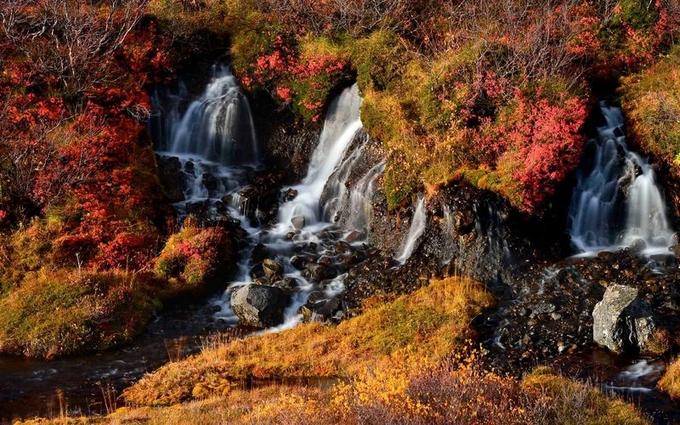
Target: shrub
{"x": 572, "y": 403}
{"x": 194, "y": 258}
{"x": 60, "y": 312}
{"x": 670, "y": 382}
{"x": 651, "y": 101}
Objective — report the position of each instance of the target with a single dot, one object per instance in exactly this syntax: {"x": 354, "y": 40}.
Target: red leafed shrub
{"x": 544, "y": 144}
{"x": 303, "y": 81}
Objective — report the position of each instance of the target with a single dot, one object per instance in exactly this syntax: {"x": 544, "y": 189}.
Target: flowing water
{"x": 212, "y": 143}
{"x": 415, "y": 231}
{"x": 617, "y": 202}
{"x": 301, "y": 227}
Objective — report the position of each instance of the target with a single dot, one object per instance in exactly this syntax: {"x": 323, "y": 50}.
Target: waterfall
{"x": 340, "y": 127}
{"x": 213, "y": 144}
{"x": 415, "y": 231}
{"x": 348, "y": 194}
{"x": 218, "y": 126}
{"x": 360, "y": 202}
{"x": 617, "y": 181}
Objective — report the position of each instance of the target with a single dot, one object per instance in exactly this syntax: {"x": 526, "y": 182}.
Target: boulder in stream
{"x": 259, "y": 305}
{"x": 298, "y": 222}
{"x": 621, "y": 321}
{"x": 272, "y": 269}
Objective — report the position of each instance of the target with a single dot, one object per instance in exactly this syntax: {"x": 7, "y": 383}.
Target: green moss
{"x": 379, "y": 59}
{"x": 60, "y": 312}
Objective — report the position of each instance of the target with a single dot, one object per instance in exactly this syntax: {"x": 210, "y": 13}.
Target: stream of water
{"x": 617, "y": 202}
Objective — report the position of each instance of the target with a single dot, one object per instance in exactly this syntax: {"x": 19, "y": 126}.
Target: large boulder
{"x": 259, "y": 306}
{"x": 621, "y": 321}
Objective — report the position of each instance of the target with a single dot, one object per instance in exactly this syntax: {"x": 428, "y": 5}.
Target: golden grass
{"x": 420, "y": 329}
{"x": 573, "y": 403}
{"x": 670, "y": 382}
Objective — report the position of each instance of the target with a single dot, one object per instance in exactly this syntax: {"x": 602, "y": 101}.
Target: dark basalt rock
{"x": 171, "y": 177}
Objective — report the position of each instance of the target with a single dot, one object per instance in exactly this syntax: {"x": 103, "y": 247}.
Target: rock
{"x": 272, "y": 268}
{"x": 290, "y": 194}
{"x": 210, "y": 182}
{"x": 621, "y": 321}
{"x": 287, "y": 284}
{"x": 354, "y": 236}
{"x": 260, "y": 253}
{"x": 318, "y": 272}
{"x": 171, "y": 177}
{"x": 298, "y": 222}
{"x": 259, "y": 306}
{"x": 298, "y": 261}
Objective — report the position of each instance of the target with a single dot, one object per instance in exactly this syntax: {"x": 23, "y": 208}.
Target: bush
{"x": 60, "y": 312}
{"x": 670, "y": 382}
{"x": 651, "y": 101}
{"x": 195, "y": 258}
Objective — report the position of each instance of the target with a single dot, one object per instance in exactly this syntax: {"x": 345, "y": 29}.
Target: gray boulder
{"x": 621, "y": 321}
{"x": 298, "y": 222}
{"x": 259, "y": 306}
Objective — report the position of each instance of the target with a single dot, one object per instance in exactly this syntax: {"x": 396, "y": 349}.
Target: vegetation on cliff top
{"x": 496, "y": 93}
{"x": 651, "y": 100}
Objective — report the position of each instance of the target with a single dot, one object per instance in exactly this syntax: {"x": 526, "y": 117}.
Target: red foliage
{"x": 91, "y": 157}
{"x": 544, "y": 142}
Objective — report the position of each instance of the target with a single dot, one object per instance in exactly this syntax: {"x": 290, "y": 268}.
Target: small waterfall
{"x": 360, "y": 202}
{"x": 618, "y": 180}
{"x": 341, "y": 126}
{"x": 414, "y": 232}
{"x": 349, "y": 191}
{"x": 218, "y": 126}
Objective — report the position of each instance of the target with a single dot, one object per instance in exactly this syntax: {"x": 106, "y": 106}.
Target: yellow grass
{"x": 419, "y": 329}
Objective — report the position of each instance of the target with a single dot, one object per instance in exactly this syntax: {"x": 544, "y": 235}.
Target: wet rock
{"x": 290, "y": 194}
{"x": 320, "y": 308}
{"x": 260, "y": 252}
{"x": 210, "y": 182}
{"x": 355, "y": 236}
{"x": 272, "y": 269}
{"x": 171, "y": 177}
{"x": 298, "y": 222}
{"x": 621, "y": 321}
{"x": 298, "y": 261}
{"x": 259, "y": 306}
{"x": 287, "y": 283}
{"x": 342, "y": 247}
{"x": 318, "y": 272}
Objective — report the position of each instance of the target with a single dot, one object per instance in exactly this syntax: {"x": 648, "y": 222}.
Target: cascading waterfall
{"x": 349, "y": 203}
{"x": 218, "y": 126}
{"x": 617, "y": 180}
{"x": 215, "y": 143}
{"x": 341, "y": 126}
{"x": 415, "y": 231}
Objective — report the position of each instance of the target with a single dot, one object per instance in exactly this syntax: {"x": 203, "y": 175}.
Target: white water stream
{"x": 617, "y": 202}
{"x": 414, "y": 233}
{"x": 215, "y": 143}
